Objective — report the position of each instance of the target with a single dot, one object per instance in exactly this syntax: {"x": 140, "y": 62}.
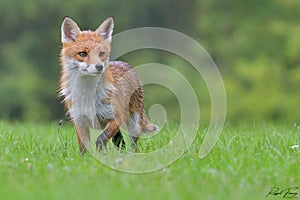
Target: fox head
{"x": 86, "y": 51}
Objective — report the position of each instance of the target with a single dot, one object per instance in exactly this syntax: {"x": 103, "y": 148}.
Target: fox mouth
{"x": 85, "y": 71}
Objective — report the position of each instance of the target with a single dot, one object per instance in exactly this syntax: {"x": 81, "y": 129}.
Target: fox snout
{"x": 92, "y": 69}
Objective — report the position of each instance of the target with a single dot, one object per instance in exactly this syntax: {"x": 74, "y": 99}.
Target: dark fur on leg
{"x": 101, "y": 141}
{"x": 110, "y": 129}
{"x": 118, "y": 140}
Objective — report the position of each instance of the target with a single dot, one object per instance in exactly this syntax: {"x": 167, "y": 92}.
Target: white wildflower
{"x": 119, "y": 160}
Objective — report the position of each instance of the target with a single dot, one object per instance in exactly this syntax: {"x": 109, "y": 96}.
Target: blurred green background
{"x": 255, "y": 44}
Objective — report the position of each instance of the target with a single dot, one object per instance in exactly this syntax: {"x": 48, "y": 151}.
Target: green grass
{"x": 43, "y": 162}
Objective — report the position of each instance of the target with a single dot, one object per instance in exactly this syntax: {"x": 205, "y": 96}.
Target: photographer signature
{"x": 292, "y": 192}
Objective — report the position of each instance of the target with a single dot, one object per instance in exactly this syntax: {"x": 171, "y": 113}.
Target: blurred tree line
{"x": 254, "y": 43}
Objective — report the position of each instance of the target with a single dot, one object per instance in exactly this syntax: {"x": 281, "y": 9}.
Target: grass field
{"x": 43, "y": 162}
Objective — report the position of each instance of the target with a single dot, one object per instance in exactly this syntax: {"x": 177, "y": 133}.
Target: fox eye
{"x": 82, "y": 54}
{"x": 101, "y": 54}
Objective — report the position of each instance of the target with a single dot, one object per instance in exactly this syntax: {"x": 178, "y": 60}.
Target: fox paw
{"x": 101, "y": 142}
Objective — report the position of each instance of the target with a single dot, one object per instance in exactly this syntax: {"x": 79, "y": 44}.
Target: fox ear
{"x": 105, "y": 29}
{"x": 69, "y": 30}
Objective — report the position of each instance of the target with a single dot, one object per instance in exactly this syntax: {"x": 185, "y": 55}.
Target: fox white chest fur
{"x": 85, "y": 94}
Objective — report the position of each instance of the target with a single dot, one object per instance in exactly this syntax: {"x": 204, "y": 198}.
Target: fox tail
{"x": 148, "y": 127}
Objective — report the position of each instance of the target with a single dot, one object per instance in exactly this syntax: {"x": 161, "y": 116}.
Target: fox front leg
{"x": 110, "y": 129}
{"x": 83, "y": 137}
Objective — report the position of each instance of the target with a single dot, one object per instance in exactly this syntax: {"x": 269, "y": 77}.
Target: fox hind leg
{"x": 118, "y": 140}
{"x": 134, "y": 143}
{"x": 135, "y": 130}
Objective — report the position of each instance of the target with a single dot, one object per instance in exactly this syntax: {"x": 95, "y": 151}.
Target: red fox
{"x": 98, "y": 93}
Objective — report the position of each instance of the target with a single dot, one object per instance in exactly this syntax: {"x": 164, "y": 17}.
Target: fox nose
{"x": 99, "y": 67}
